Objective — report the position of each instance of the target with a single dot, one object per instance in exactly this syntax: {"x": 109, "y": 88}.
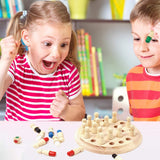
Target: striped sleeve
{"x": 11, "y": 70}
{"x": 74, "y": 84}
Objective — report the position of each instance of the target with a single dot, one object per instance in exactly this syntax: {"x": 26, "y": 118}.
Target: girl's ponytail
{"x": 15, "y": 26}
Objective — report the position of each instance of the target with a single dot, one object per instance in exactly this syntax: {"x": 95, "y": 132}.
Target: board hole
{"x": 93, "y": 140}
{"x": 121, "y": 142}
{"x": 122, "y": 122}
{"x": 128, "y": 139}
{"x": 111, "y": 143}
{"x": 115, "y": 126}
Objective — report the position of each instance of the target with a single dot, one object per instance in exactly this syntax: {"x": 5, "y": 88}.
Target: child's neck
{"x": 152, "y": 72}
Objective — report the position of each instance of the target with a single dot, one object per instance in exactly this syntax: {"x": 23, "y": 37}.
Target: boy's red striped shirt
{"x": 144, "y": 94}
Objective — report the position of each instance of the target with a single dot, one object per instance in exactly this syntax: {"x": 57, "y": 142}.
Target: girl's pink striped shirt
{"x": 30, "y": 95}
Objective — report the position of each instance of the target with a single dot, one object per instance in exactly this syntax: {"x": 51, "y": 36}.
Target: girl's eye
{"x": 47, "y": 44}
{"x": 64, "y": 44}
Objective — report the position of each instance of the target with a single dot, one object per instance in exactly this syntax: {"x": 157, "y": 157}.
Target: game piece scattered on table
{"x": 116, "y": 157}
{"x": 17, "y": 140}
{"x": 75, "y": 151}
{"x": 50, "y": 133}
{"x": 41, "y": 134}
{"x": 56, "y": 140}
{"x": 41, "y": 142}
{"x": 108, "y": 136}
{"x": 47, "y": 152}
{"x": 60, "y": 136}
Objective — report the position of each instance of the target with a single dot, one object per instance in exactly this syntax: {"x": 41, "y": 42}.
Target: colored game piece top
{"x": 149, "y": 37}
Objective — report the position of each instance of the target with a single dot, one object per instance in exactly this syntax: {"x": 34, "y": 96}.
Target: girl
{"x": 42, "y": 83}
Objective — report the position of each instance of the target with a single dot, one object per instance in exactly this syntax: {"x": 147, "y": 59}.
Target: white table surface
{"x": 148, "y": 150}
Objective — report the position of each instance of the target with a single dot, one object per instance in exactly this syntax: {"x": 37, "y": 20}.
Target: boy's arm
{"x": 68, "y": 110}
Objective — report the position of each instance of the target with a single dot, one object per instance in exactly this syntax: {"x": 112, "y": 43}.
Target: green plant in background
{"x": 121, "y": 77}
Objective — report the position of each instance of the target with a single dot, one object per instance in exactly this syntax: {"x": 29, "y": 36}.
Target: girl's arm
{"x": 5, "y": 79}
{"x": 68, "y": 110}
{"x": 8, "y": 53}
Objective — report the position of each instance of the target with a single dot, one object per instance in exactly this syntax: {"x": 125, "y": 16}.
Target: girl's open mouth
{"x": 48, "y": 64}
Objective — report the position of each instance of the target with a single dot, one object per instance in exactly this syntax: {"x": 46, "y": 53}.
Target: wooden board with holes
{"x": 111, "y": 137}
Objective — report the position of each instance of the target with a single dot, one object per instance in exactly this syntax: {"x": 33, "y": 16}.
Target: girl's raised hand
{"x": 59, "y": 105}
{"x": 9, "y": 48}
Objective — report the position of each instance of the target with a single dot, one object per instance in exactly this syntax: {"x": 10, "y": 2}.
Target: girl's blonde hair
{"x": 47, "y": 11}
{"x": 147, "y": 10}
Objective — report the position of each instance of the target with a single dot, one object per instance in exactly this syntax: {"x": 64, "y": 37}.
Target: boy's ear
{"x": 25, "y": 37}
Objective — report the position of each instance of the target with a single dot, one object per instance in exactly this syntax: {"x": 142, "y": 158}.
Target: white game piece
{"x": 78, "y": 150}
{"x": 55, "y": 140}
{"x": 83, "y": 128}
{"x": 132, "y": 130}
{"x": 110, "y": 134}
{"x": 84, "y": 121}
{"x": 119, "y": 132}
{"x": 60, "y": 136}
{"x": 86, "y": 133}
{"x": 97, "y": 120}
{"x": 17, "y": 140}
{"x": 35, "y": 128}
{"x": 94, "y": 128}
{"x": 128, "y": 122}
{"x": 47, "y": 152}
{"x": 89, "y": 120}
{"x": 106, "y": 120}
{"x": 75, "y": 151}
{"x": 102, "y": 124}
{"x": 114, "y": 117}
{"x": 100, "y": 139}
{"x": 41, "y": 135}
{"x": 41, "y": 142}
{"x": 99, "y": 129}
{"x": 96, "y": 115}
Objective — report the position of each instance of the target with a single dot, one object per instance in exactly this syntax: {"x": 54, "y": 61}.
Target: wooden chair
{"x": 120, "y": 103}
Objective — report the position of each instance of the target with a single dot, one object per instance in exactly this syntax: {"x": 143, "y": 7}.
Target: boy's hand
{"x": 9, "y": 48}
{"x": 59, "y": 105}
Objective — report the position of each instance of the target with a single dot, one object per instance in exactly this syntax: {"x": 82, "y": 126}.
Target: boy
{"x": 143, "y": 81}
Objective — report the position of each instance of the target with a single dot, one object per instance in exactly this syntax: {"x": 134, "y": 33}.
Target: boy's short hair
{"x": 148, "y": 10}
